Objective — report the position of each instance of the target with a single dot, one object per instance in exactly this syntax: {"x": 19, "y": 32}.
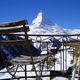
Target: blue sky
{"x": 65, "y": 13}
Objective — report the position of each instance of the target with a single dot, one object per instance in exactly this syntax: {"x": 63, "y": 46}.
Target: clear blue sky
{"x": 65, "y": 13}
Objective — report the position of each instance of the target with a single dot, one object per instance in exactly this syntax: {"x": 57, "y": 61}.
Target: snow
{"x": 60, "y": 78}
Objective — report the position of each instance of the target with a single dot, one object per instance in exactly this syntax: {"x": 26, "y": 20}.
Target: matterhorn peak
{"x": 43, "y": 25}
{"x": 42, "y": 21}
{"x": 40, "y": 14}
{"x": 37, "y": 21}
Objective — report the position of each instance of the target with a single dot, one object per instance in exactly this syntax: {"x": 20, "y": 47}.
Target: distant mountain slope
{"x": 42, "y": 25}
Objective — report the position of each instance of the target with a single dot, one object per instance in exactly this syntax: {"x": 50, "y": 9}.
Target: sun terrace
{"x": 54, "y": 59}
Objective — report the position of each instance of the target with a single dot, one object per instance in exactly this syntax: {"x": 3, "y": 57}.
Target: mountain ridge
{"x": 42, "y": 25}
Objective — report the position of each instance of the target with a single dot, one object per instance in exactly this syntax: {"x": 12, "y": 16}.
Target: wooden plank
{"x": 56, "y": 73}
{"x": 15, "y": 42}
{"x": 14, "y": 30}
{"x": 12, "y": 24}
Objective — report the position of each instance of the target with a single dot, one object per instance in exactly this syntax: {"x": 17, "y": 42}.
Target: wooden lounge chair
{"x": 8, "y": 29}
{"x": 7, "y": 47}
{"x": 19, "y": 59}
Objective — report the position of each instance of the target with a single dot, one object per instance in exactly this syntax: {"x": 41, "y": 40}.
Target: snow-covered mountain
{"x": 42, "y": 25}
{"x": 72, "y": 31}
{"x": 42, "y": 21}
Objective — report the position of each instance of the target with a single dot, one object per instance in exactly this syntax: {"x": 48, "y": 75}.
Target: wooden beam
{"x": 54, "y": 74}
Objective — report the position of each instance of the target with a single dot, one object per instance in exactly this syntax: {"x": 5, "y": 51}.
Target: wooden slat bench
{"x": 11, "y": 29}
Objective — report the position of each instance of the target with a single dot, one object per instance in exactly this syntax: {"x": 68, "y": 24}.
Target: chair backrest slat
{"x": 12, "y": 24}
{"x": 13, "y": 30}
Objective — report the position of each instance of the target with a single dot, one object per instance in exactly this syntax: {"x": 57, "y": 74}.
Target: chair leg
{"x": 37, "y": 76}
{"x": 25, "y": 72}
